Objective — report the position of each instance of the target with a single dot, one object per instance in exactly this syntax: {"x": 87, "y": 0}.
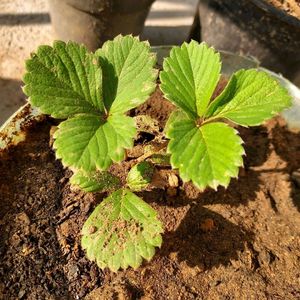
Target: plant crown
{"x": 92, "y": 93}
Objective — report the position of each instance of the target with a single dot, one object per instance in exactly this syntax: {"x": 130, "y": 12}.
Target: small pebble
{"x": 23, "y": 218}
{"x": 173, "y": 180}
{"x": 21, "y": 294}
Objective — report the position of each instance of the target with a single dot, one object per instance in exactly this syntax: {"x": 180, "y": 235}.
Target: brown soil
{"x": 292, "y": 7}
{"x": 239, "y": 243}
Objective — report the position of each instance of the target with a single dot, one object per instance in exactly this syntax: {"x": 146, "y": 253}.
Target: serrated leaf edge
{"x": 213, "y": 183}
{"x": 124, "y": 265}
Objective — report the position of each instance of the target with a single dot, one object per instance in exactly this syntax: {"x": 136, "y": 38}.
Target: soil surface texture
{"x": 239, "y": 243}
{"x": 292, "y": 7}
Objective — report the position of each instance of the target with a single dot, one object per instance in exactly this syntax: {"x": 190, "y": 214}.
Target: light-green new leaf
{"x": 88, "y": 142}
{"x": 64, "y": 80}
{"x": 121, "y": 231}
{"x": 209, "y": 155}
{"x": 190, "y": 76}
{"x": 250, "y": 98}
{"x": 128, "y": 73}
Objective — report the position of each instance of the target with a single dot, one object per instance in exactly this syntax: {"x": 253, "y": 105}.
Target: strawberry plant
{"x": 204, "y": 148}
{"x": 92, "y": 94}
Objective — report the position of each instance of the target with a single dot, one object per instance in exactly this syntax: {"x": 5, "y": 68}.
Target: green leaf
{"x": 140, "y": 176}
{"x": 88, "y": 142}
{"x": 121, "y": 231}
{"x": 128, "y": 73}
{"x": 250, "y": 98}
{"x": 95, "y": 181}
{"x": 175, "y": 116}
{"x": 64, "y": 80}
{"x": 190, "y": 76}
{"x": 209, "y": 155}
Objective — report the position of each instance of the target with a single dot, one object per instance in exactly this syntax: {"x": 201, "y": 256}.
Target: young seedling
{"x": 92, "y": 93}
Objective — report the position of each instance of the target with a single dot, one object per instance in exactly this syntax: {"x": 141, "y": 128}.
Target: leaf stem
{"x": 209, "y": 120}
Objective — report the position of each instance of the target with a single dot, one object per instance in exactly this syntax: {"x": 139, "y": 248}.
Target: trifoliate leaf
{"x": 121, "y": 231}
{"x": 190, "y": 76}
{"x": 95, "y": 181}
{"x": 88, "y": 142}
{"x": 64, "y": 80}
{"x": 209, "y": 154}
{"x": 128, "y": 73}
{"x": 250, "y": 98}
{"x": 140, "y": 176}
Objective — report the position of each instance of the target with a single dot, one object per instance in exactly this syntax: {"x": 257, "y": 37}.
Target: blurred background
{"x": 266, "y": 29}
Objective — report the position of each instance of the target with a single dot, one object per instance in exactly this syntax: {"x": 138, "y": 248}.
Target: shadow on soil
{"x": 219, "y": 241}
{"x": 222, "y": 242}
{"x": 207, "y": 239}
{"x": 204, "y": 246}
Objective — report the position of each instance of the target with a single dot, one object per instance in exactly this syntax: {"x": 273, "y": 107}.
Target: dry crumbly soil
{"x": 239, "y": 243}
{"x": 292, "y": 7}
